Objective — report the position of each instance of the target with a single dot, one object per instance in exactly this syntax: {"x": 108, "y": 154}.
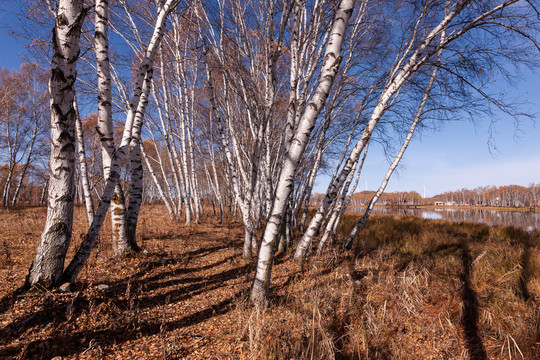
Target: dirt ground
{"x": 185, "y": 297}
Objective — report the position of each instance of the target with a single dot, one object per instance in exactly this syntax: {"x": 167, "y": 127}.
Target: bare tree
{"x": 296, "y": 147}
{"x": 421, "y": 45}
{"x": 87, "y": 192}
{"x": 134, "y": 117}
{"x": 22, "y": 125}
{"x": 46, "y": 270}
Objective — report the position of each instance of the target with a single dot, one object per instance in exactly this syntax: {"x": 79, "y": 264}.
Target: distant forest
{"x": 503, "y": 196}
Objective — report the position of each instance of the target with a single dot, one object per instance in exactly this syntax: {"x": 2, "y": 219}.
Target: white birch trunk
{"x": 399, "y": 76}
{"x": 334, "y": 213}
{"x": 188, "y": 116}
{"x": 144, "y": 72}
{"x": 136, "y": 189}
{"x": 46, "y": 269}
{"x": 105, "y": 126}
{"x": 313, "y": 228}
{"x": 332, "y": 58}
{"x": 161, "y": 192}
{"x": 397, "y": 159}
{"x": 83, "y": 166}
{"x": 216, "y": 182}
{"x": 248, "y": 226}
{"x": 341, "y": 205}
{"x": 44, "y": 192}
{"x": 164, "y": 187}
{"x": 11, "y": 167}
{"x": 165, "y": 121}
{"x": 348, "y": 199}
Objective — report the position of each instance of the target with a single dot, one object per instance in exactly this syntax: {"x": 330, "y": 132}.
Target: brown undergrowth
{"x": 410, "y": 289}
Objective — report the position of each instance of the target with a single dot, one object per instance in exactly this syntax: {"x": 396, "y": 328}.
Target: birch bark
{"x": 415, "y": 57}
{"x": 136, "y": 190}
{"x": 105, "y": 127}
{"x": 141, "y": 86}
{"x": 332, "y": 58}
{"x": 46, "y": 269}
{"x": 397, "y": 159}
{"x": 83, "y": 165}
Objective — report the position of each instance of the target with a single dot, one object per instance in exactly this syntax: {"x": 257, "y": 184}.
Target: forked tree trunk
{"x": 141, "y": 86}
{"x": 136, "y": 190}
{"x": 105, "y": 126}
{"x": 296, "y": 148}
{"x": 46, "y": 270}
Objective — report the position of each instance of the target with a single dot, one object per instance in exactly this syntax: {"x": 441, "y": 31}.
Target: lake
{"x": 524, "y": 219}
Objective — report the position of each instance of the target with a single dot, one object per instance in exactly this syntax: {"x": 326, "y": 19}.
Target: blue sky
{"x": 10, "y": 56}
{"x": 458, "y": 156}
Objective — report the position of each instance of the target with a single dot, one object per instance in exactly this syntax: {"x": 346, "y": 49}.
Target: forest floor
{"x": 410, "y": 289}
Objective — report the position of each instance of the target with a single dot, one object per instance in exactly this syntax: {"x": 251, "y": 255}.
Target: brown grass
{"x": 410, "y": 289}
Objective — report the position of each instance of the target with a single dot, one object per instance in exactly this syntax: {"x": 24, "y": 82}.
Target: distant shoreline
{"x": 460, "y": 207}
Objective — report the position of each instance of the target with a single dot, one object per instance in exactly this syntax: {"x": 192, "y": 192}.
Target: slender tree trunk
{"x": 46, "y": 270}
{"x": 296, "y": 148}
{"x": 44, "y": 192}
{"x": 161, "y": 192}
{"x": 166, "y": 128}
{"x": 397, "y": 159}
{"x": 239, "y": 199}
{"x": 341, "y": 205}
{"x": 7, "y": 185}
{"x": 399, "y": 74}
{"x": 105, "y": 126}
{"x": 11, "y": 168}
{"x": 142, "y": 85}
{"x": 136, "y": 190}
{"x": 83, "y": 166}
{"x": 25, "y": 167}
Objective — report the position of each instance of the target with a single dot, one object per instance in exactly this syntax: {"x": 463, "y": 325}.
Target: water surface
{"x": 523, "y": 219}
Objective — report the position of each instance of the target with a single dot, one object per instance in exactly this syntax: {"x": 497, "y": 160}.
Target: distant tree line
{"x": 508, "y": 196}
{"x": 497, "y": 196}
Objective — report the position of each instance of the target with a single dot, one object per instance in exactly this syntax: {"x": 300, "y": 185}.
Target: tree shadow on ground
{"x": 155, "y": 260}
{"x": 529, "y": 284}
{"x": 470, "y": 316}
{"x": 469, "y": 319}
{"x": 9, "y": 300}
{"x": 131, "y": 294}
{"x": 78, "y": 341}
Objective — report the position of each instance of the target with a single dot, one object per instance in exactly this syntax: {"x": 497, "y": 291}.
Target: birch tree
{"x": 135, "y": 113}
{"x": 22, "y": 125}
{"x": 81, "y": 150}
{"x": 46, "y": 269}
{"x": 243, "y": 105}
{"x": 399, "y": 155}
{"x": 421, "y": 46}
{"x": 105, "y": 126}
{"x": 296, "y": 147}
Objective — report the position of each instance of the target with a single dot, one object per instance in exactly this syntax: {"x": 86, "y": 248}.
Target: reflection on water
{"x": 431, "y": 215}
{"x": 523, "y": 219}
